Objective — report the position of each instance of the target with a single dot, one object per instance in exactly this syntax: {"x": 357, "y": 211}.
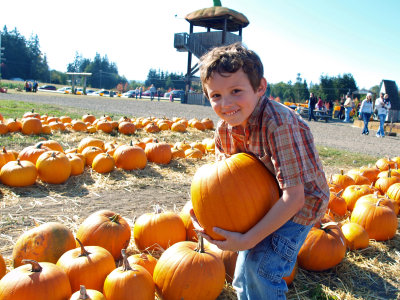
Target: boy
{"x": 232, "y": 78}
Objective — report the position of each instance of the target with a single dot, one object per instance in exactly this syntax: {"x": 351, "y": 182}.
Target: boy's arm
{"x": 285, "y": 208}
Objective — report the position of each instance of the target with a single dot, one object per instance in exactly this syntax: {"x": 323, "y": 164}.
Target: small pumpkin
{"x": 126, "y": 127}
{"x": 354, "y": 192}
{"x": 103, "y": 163}
{"x": 337, "y": 204}
{"x": 159, "y": 153}
{"x": 77, "y": 163}
{"x": 90, "y": 153}
{"x": 32, "y": 153}
{"x": 145, "y": 260}
{"x": 31, "y": 126}
{"x": 87, "y": 294}
{"x": 130, "y": 157}
{"x": 88, "y": 118}
{"x": 3, "y": 268}
{"x": 356, "y": 236}
{"x": 193, "y": 153}
{"x": 89, "y": 141}
{"x": 342, "y": 179}
{"x": 129, "y": 282}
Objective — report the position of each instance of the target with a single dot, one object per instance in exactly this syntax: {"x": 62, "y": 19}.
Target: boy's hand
{"x": 234, "y": 241}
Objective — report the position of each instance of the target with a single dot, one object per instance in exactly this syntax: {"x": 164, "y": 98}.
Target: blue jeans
{"x": 381, "y": 131}
{"x": 311, "y": 115}
{"x": 347, "y": 111}
{"x": 366, "y": 117}
{"x": 259, "y": 271}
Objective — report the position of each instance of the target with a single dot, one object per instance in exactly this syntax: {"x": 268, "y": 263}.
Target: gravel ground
{"x": 332, "y": 134}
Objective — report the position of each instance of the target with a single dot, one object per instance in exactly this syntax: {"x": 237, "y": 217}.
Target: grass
{"x": 333, "y": 158}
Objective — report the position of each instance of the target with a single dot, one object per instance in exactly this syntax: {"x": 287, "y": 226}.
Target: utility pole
{"x": 1, "y": 54}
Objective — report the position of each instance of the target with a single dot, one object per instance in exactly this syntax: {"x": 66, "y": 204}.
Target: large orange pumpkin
{"x": 46, "y": 242}
{"x": 393, "y": 192}
{"x": 53, "y": 167}
{"x": 188, "y": 271}
{"x": 18, "y": 173}
{"x": 88, "y": 265}
{"x": 328, "y": 239}
{"x": 378, "y": 220}
{"x": 353, "y": 192}
{"x": 106, "y": 229}
{"x": 158, "y": 229}
{"x": 129, "y": 282}
{"x": 233, "y": 194}
{"x": 35, "y": 281}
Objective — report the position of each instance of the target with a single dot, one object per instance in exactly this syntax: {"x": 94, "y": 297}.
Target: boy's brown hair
{"x": 230, "y": 59}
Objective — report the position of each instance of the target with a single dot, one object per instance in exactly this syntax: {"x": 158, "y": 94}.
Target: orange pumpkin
{"x": 88, "y": 142}
{"x": 383, "y": 183}
{"x": 13, "y": 125}
{"x": 159, "y": 153}
{"x": 3, "y": 268}
{"x": 106, "y": 229}
{"x": 130, "y": 157}
{"x": 53, "y": 145}
{"x": 177, "y": 153}
{"x": 191, "y": 235}
{"x": 145, "y": 260}
{"x": 35, "y": 281}
{"x": 88, "y": 118}
{"x": 189, "y": 266}
{"x": 77, "y": 163}
{"x": 31, "y": 126}
{"x": 353, "y": 192}
{"x": 88, "y": 294}
{"x": 320, "y": 241}
{"x": 337, "y": 204}
{"x": 90, "y": 153}
{"x": 126, "y": 127}
{"x": 88, "y": 265}
{"x": 229, "y": 259}
{"x": 103, "y": 163}
{"x": 32, "y": 153}
{"x": 78, "y": 125}
{"x": 105, "y": 126}
{"x": 208, "y": 123}
{"x": 377, "y": 219}
{"x": 370, "y": 172}
{"x": 193, "y": 153}
{"x": 46, "y": 242}
{"x": 129, "y": 282}
{"x": 218, "y": 189}
{"x": 178, "y": 127}
{"x": 53, "y": 167}
{"x": 158, "y": 229}
{"x": 356, "y": 236}
{"x": 18, "y": 173}
{"x": 342, "y": 179}
{"x": 393, "y": 192}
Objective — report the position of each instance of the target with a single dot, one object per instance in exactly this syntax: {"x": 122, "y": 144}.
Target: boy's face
{"x": 232, "y": 97}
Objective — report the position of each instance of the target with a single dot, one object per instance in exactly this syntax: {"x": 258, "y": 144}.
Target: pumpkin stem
{"x": 84, "y": 252}
{"x": 82, "y": 293}
{"x": 339, "y": 194}
{"x": 53, "y": 154}
{"x": 115, "y": 218}
{"x": 35, "y": 265}
{"x": 200, "y": 244}
{"x": 325, "y": 227}
{"x": 341, "y": 172}
{"x": 131, "y": 143}
{"x": 125, "y": 264}
{"x": 19, "y": 162}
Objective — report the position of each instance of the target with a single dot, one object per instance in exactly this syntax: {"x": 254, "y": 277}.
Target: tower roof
{"x": 213, "y": 17}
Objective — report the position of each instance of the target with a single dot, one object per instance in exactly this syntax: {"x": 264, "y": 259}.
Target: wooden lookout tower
{"x": 220, "y": 23}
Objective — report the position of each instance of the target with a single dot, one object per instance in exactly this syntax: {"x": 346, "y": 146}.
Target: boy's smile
{"x": 232, "y": 97}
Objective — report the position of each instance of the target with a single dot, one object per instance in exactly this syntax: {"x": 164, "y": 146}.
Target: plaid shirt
{"x": 284, "y": 143}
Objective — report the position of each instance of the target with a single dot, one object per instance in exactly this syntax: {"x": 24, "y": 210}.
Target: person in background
{"x": 312, "y": 101}
{"x": 329, "y": 107}
{"x": 158, "y": 94}
{"x": 141, "y": 89}
{"x": 348, "y": 106}
{"x": 366, "y": 110}
{"x": 320, "y": 104}
{"x": 152, "y": 92}
{"x": 382, "y": 104}
{"x": 341, "y": 111}
{"x": 136, "y": 92}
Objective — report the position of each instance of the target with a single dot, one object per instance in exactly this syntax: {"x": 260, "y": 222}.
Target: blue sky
{"x": 310, "y": 37}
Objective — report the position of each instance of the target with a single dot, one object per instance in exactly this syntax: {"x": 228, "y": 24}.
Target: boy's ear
{"x": 262, "y": 88}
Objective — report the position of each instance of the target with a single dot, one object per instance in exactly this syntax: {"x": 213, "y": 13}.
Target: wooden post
{"x": 189, "y": 69}
{"x": 224, "y": 31}
{"x": 84, "y": 85}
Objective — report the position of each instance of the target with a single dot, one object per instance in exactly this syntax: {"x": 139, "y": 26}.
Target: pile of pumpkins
{"x": 363, "y": 205}
{"x": 50, "y": 263}
{"x": 48, "y": 160}
{"x": 34, "y": 123}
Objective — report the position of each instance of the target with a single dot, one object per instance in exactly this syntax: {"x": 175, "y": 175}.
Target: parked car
{"x": 65, "y": 90}
{"x": 100, "y": 93}
{"x": 47, "y": 87}
{"x": 176, "y": 94}
{"x": 129, "y": 94}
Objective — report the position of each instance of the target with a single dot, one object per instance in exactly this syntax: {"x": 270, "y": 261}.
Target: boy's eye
{"x": 215, "y": 96}
{"x": 235, "y": 91}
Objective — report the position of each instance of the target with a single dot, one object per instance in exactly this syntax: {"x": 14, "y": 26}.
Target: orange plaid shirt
{"x": 284, "y": 143}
